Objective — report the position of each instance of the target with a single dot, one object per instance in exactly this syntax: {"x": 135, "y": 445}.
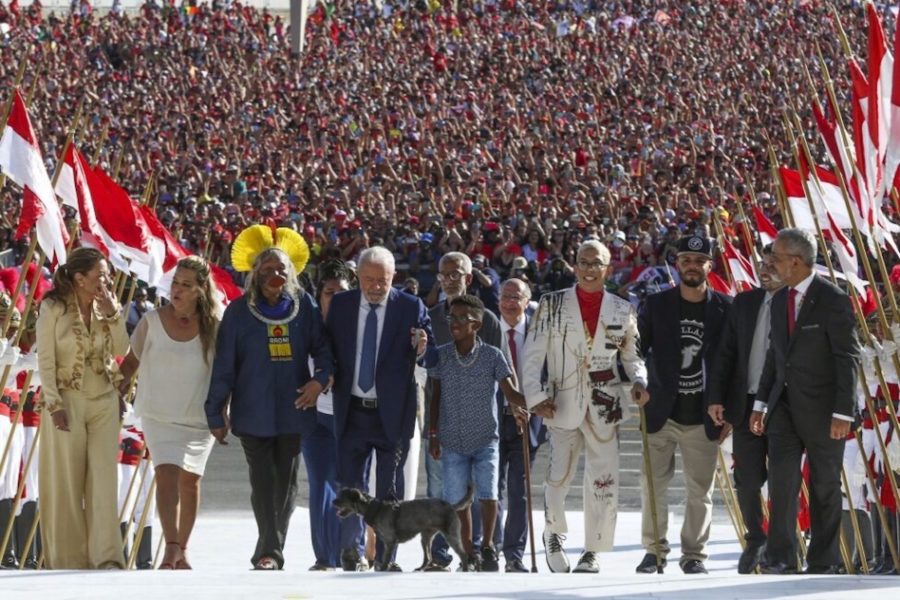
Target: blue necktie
{"x": 367, "y": 360}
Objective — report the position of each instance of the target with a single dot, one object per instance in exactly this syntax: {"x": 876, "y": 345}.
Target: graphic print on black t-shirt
{"x": 689, "y": 407}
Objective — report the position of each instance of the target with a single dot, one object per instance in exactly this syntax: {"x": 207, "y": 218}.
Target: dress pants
{"x": 749, "y": 476}
{"x": 791, "y": 432}
{"x": 699, "y": 456}
{"x": 273, "y": 463}
{"x": 320, "y": 456}
{"x": 512, "y": 523}
{"x": 363, "y": 435}
{"x": 78, "y": 501}
{"x": 600, "y": 490}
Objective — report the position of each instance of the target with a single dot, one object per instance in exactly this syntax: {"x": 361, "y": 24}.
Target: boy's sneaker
{"x": 556, "y": 555}
{"x": 489, "y": 561}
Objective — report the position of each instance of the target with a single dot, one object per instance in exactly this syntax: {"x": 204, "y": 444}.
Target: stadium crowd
{"x": 502, "y": 128}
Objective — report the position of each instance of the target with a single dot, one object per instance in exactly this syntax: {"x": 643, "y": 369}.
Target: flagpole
{"x": 751, "y": 239}
{"x": 98, "y": 151}
{"x": 117, "y": 164}
{"x": 780, "y": 194}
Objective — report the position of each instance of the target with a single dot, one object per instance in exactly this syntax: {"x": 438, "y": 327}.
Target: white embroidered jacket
{"x": 581, "y": 373}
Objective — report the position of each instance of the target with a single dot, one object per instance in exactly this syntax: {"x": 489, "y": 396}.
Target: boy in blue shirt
{"x": 464, "y": 427}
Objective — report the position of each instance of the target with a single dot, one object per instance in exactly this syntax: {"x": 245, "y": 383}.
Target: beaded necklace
{"x": 473, "y": 355}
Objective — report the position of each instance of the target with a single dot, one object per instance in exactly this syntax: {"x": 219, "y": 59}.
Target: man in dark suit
{"x": 806, "y": 402}
{"x": 680, "y": 330}
{"x": 514, "y": 298}
{"x": 732, "y": 390}
{"x": 377, "y": 335}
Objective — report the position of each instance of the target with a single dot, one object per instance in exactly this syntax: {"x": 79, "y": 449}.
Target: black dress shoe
{"x": 778, "y": 568}
{"x": 751, "y": 557}
{"x": 648, "y": 565}
{"x": 822, "y": 570}
{"x": 515, "y": 566}
{"x": 693, "y": 567}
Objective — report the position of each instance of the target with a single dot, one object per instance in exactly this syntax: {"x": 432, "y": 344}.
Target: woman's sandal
{"x": 169, "y": 565}
{"x": 182, "y": 563}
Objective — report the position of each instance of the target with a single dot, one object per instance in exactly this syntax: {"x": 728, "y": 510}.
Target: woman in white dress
{"x": 174, "y": 346}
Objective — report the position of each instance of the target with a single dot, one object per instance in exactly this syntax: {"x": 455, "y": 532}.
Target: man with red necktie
{"x": 806, "y": 401}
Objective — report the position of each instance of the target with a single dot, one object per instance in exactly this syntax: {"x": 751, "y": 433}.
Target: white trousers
{"x": 601, "y": 481}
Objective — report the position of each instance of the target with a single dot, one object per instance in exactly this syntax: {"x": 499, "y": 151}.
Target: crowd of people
{"x": 503, "y": 128}
{"x": 507, "y": 164}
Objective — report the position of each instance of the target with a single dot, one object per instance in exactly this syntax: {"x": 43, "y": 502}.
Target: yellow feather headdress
{"x": 256, "y": 238}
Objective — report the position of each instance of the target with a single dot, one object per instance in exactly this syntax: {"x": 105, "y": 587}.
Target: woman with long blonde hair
{"x": 175, "y": 346}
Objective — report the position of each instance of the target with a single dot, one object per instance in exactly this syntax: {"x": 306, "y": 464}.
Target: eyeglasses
{"x": 461, "y": 319}
{"x": 452, "y": 276}
{"x": 583, "y": 264}
{"x": 507, "y": 298}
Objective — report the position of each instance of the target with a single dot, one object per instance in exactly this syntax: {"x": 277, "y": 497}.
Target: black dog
{"x": 397, "y": 522}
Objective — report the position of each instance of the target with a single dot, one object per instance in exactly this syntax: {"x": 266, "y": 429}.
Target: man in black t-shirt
{"x": 679, "y": 331}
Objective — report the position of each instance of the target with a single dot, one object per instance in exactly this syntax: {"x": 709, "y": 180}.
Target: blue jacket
{"x": 394, "y": 368}
{"x": 263, "y": 390}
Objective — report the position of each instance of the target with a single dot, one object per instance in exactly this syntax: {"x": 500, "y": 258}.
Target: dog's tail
{"x": 467, "y": 499}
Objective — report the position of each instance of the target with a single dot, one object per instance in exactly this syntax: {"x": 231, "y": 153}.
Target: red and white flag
{"x": 866, "y": 153}
{"x": 832, "y": 198}
{"x": 742, "y": 272}
{"x": 22, "y": 162}
{"x": 764, "y": 227}
{"x": 720, "y": 285}
{"x": 842, "y": 247}
{"x": 120, "y": 217}
{"x": 881, "y": 70}
{"x": 225, "y": 288}
{"x": 74, "y": 187}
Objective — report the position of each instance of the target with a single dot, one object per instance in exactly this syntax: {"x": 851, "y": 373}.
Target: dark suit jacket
{"x": 728, "y": 383}
{"x": 659, "y": 326}
{"x": 394, "y": 370}
{"x": 817, "y": 366}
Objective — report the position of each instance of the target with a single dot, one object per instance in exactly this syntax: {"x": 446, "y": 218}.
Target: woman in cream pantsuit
{"x": 80, "y": 331}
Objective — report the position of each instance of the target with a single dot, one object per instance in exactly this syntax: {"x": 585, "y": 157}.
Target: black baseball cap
{"x": 695, "y": 244}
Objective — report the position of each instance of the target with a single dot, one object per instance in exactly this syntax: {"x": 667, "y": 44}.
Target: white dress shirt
{"x": 364, "y": 308}
{"x": 760, "y": 345}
